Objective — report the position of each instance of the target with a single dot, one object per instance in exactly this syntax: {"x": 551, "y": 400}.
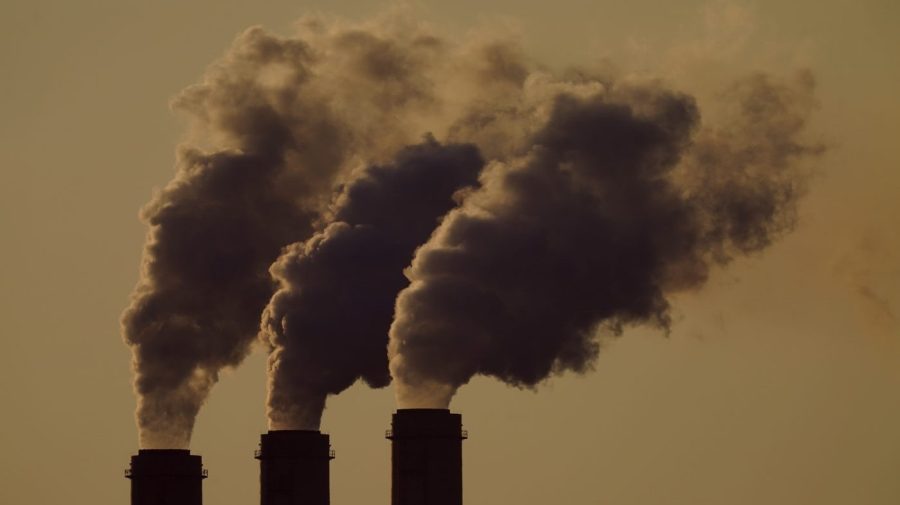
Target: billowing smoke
{"x": 277, "y": 124}
{"x": 216, "y": 228}
{"x": 620, "y": 199}
{"x": 328, "y": 324}
{"x": 304, "y": 190}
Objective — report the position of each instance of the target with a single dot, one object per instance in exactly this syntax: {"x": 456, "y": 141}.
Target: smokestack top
{"x": 426, "y": 423}
{"x": 303, "y": 444}
{"x": 294, "y": 433}
{"x": 165, "y": 462}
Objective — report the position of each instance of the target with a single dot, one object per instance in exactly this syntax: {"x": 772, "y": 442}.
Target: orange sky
{"x": 778, "y": 384}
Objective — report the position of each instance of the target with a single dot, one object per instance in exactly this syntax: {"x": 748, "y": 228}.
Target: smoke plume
{"x": 216, "y": 228}
{"x": 303, "y": 191}
{"x": 328, "y": 323}
{"x": 277, "y": 124}
{"x": 620, "y": 199}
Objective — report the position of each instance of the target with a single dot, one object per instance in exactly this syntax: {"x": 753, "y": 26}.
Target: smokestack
{"x": 426, "y": 457}
{"x": 293, "y": 467}
{"x": 166, "y": 476}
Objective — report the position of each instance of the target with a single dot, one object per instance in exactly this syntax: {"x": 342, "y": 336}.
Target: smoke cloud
{"x": 276, "y": 125}
{"x": 328, "y": 323}
{"x": 620, "y": 199}
{"x": 550, "y": 204}
{"x": 216, "y": 228}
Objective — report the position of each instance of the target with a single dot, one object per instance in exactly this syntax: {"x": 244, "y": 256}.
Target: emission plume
{"x": 219, "y": 224}
{"x": 620, "y": 199}
{"x": 276, "y": 125}
{"x": 572, "y": 202}
{"x": 328, "y": 323}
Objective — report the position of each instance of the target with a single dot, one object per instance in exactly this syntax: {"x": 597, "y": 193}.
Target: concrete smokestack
{"x": 166, "y": 476}
{"x": 426, "y": 457}
{"x": 293, "y": 467}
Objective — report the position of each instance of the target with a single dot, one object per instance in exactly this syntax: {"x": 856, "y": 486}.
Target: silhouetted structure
{"x": 426, "y": 457}
{"x": 293, "y": 467}
{"x": 166, "y": 477}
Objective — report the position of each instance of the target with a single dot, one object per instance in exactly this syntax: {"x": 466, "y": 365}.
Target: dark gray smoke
{"x": 214, "y": 232}
{"x": 216, "y": 228}
{"x": 283, "y": 138}
{"x": 328, "y": 323}
{"x": 621, "y": 199}
{"x": 598, "y": 201}
{"x": 276, "y": 125}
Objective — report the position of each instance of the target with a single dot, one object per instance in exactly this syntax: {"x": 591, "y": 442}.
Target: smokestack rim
{"x": 426, "y": 423}
{"x": 294, "y": 444}
{"x": 166, "y": 463}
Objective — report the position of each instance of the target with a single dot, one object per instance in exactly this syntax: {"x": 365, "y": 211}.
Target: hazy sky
{"x": 778, "y": 385}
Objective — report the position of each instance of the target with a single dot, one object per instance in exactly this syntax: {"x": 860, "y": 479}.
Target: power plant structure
{"x": 426, "y": 457}
{"x": 166, "y": 476}
{"x": 293, "y": 468}
{"x": 426, "y": 465}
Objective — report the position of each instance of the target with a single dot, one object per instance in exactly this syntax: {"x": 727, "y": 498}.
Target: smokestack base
{"x": 171, "y": 476}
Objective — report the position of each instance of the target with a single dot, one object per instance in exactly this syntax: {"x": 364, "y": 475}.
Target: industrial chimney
{"x": 166, "y": 476}
{"x": 293, "y": 467}
{"x": 426, "y": 457}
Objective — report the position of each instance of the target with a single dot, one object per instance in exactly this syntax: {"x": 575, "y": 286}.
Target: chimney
{"x": 166, "y": 476}
{"x": 426, "y": 457}
{"x": 293, "y": 467}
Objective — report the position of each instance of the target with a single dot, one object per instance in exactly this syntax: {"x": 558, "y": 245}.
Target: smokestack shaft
{"x": 293, "y": 467}
{"x": 426, "y": 457}
{"x": 169, "y": 476}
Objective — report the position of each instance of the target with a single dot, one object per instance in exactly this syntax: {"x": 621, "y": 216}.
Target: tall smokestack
{"x": 293, "y": 467}
{"x": 166, "y": 476}
{"x": 426, "y": 457}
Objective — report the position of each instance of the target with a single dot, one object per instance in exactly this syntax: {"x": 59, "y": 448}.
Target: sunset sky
{"x": 778, "y": 383}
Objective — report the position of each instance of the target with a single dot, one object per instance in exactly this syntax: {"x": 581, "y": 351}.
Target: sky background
{"x": 778, "y": 384}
